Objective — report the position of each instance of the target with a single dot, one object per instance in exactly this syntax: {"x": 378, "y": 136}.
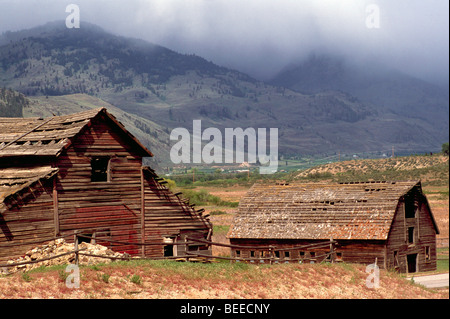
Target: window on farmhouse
{"x": 168, "y": 251}
{"x": 85, "y": 238}
{"x": 427, "y": 253}
{"x": 410, "y": 235}
{"x": 100, "y": 169}
{"x": 410, "y": 207}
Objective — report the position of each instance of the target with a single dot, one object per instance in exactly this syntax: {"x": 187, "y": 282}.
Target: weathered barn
{"x": 83, "y": 173}
{"x": 387, "y": 222}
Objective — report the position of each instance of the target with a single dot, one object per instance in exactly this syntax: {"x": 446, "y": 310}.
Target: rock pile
{"x": 57, "y": 247}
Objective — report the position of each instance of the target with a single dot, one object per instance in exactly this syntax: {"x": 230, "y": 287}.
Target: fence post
{"x": 271, "y": 254}
{"x": 186, "y": 247}
{"x": 331, "y": 250}
{"x": 75, "y": 241}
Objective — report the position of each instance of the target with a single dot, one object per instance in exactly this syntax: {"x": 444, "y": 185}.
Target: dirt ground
{"x": 214, "y": 281}
{"x": 439, "y": 205}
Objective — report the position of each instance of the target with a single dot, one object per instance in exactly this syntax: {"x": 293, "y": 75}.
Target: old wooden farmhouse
{"x": 83, "y": 173}
{"x": 389, "y": 223}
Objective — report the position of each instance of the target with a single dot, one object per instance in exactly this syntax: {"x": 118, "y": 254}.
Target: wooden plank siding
{"x": 107, "y": 209}
{"x": 129, "y": 206}
{"x": 282, "y": 251}
{"x": 29, "y": 217}
{"x": 168, "y": 216}
{"x": 398, "y": 246}
{"x": 350, "y": 251}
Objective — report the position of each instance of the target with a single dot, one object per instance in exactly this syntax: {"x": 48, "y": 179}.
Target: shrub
{"x": 136, "y": 279}
{"x": 217, "y": 212}
{"x": 26, "y": 277}
{"x": 202, "y": 197}
{"x": 104, "y": 278}
{"x": 445, "y": 148}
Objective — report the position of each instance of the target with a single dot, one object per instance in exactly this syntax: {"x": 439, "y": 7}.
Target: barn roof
{"x": 49, "y": 137}
{"x": 13, "y": 180}
{"x": 319, "y": 211}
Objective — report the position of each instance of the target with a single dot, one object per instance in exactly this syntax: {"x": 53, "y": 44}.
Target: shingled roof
{"x": 49, "y": 137}
{"x": 319, "y": 211}
{"x": 13, "y": 180}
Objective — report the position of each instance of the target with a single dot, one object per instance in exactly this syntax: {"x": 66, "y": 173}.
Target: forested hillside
{"x": 11, "y": 103}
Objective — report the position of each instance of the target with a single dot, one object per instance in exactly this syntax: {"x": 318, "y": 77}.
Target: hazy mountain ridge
{"x": 388, "y": 90}
{"x": 171, "y": 89}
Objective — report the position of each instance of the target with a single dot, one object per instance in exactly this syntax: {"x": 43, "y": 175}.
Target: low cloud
{"x": 260, "y": 37}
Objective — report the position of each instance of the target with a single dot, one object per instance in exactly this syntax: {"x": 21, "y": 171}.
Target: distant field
{"x": 431, "y": 170}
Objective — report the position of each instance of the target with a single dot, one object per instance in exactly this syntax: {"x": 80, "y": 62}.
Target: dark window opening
{"x": 410, "y": 207}
{"x": 252, "y": 253}
{"x": 410, "y": 235}
{"x": 312, "y": 254}
{"x": 238, "y": 253}
{"x": 338, "y": 256}
{"x": 100, "y": 169}
{"x": 85, "y": 238}
{"x": 287, "y": 254}
{"x": 412, "y": 262}
{"x": 168, "y": 251}
{"x": 277, "y": 254}
{"x": 427, "y": 253}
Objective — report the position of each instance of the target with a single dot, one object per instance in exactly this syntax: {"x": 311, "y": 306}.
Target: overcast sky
{"x": 262, "y": 36}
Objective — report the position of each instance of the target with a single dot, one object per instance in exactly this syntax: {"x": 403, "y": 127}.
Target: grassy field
{"x": 442, "y": 262}
{"x": 431, "y": 170}
{"x": 180, "y": 280}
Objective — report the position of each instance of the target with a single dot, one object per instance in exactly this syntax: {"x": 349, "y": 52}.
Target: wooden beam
{"x": 142, "y": 212}
{"x": 55, "y": 207}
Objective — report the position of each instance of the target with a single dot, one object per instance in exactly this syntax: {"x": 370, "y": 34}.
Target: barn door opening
{"x": 412, "y": 262}
{"x": 170, "y": 248}
{"x": 85, "y": 238}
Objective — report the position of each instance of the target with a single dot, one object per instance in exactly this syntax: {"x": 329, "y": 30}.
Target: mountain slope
{"x": 374, "y": 85}
{"x": 172, "y": 89}
{"x": 152, "y": 135}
